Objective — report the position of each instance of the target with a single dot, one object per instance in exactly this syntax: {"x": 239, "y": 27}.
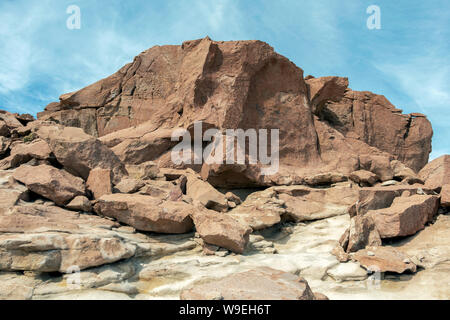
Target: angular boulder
{"x": 364, "y": 178}
{"x": 99, "y": 182}
{"x": 51, "y": 183}
{"x": 405, "y": 216}
{"x": 205, "y": 194}
{"x": 147, "y": 213}
{"x": 80, "y": 203}
{"x": 222, "y": 230}
{"x": 23, "y": 152}
{"x": 79, "y": 152}
{"x": 362, "y": 233}
{"x": 436, "y": 173}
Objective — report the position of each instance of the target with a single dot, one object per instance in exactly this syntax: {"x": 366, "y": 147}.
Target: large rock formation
{"x": 91, "y": 184}
{"x": 324, "y": 126}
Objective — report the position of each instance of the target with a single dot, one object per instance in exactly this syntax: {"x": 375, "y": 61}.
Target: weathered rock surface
{"x": 364, "y": 178}
{"x": 361, "y": 233}
{"x": 258, "y": 284}
{"x": 384, "y": 259}
{"x": 147, "y": 213}
{"x": 129, "y": 185}
{"x": 405, "y": 216}
{"x": 326, "y": 127}
{"x": 51, "y": 183}
{"x": 445, "y": 195}
{"x": 80, "y": 203}
{"x": 79, "y": 152}
{"x": 204, "y": 193}
{"x": 222, "y": 230}
{"x": 436, "y": 173}
{"x": 23, "y": 152}
{"x": 99, "y": 182}
{"x": 305, "y": 203}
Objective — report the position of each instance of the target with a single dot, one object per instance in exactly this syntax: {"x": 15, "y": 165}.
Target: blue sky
{"x": 407, "y": 60}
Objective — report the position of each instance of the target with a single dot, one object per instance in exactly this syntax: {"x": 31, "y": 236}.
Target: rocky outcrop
{"x": 326, "y": 127}
{"x": 257, "y": 284}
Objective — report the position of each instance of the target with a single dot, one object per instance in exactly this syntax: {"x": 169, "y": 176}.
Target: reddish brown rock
{"x": 384, "y": 259}
{"x": 380, "y": 197}
{"x": 128, "y": 185}
{"x": 362, "y": 233}
{"x": 23, "y": 152}
{"x": 99, "y": 182}
{"x": 204, "y": 193}
{"x": 147, "y": 213}
{"x": 80, "y": 203}
{"x": 405, "y": 216}
{"x": 222, "y": 230}
{"x": 79, "y": 152}
{"x": 325, "y": 127}
{"x": 303, "y": 203}
{"x": 445, "y": 196}
{"x": 258, "y": 284}
{"x": 51, "y": 183}
{"x": 436, "y": 173}
{"x": 364, "y": 178}
{"x": 374, "y": 120}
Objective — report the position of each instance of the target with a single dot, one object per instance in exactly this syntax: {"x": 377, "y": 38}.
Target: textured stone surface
{"x": 51, "y": 183}
{"x": 384, "y": 259}
{"x": 405, "y": 216}
{"x": 222, "y": 230}
{"x": 147, "y": 213}
{"x": 436, "y": 173}
{"x": 79, "y": 152}
{"x": 257, "y": 284}
{"x": 324, "y": 126}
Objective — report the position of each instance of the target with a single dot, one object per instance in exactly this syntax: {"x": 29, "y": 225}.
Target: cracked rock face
{"x": 324, "y": 125}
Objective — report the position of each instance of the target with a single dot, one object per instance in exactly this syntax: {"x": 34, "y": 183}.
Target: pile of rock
{"x": 98, "y": 162}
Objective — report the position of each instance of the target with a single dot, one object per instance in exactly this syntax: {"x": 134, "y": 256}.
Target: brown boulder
{"x": 128, "y": 185}
{"x": 23, "y": 152}
{"x": 384, "y": 259}
{"x": 380, "y": 197}
{"x": 222, "y": 230}
{"x": 436, "y": 173}
{"x": 51, "y": 183}
{"x": 79, "y": 152}
{"x": 204, "y": 193}
{"x": 258, "y": 284}
{"x": 303, "y": 203}
{"x": 80, "y": 203}
{"x": 260, "y": 210}
{"x": 362, "y": 233}
{"x": 445, "y": 195}
{"x": 99, "y": 182}
{"x": 147, "y": 213}
{"x": 405, "y": 216}
{"x": 364, "y": 178}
